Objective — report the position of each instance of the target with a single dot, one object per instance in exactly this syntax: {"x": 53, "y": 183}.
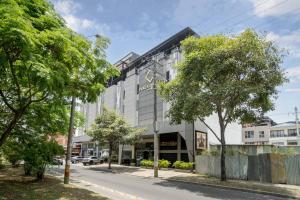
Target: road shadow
{"x": 115, "y": 170}
{"x": 216, "y": 192}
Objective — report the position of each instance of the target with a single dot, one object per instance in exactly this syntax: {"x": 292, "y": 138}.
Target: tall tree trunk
{"x": 10, "y": 126}
{"x": 69, "y": 145}
{"x": 109, "y": 156}
{"x": 223, "y": 153}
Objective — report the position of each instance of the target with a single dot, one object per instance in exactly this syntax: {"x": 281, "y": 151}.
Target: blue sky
{"x": 138, "y": 25}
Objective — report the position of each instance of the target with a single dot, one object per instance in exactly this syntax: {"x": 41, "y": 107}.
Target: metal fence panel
{"x": 253, "y": 168}
{"x": 278, "y": 168}
{"x": 292, "y": 166}
{"x": 264, "y": 168}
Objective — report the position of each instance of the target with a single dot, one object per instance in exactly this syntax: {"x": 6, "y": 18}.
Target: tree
{"x": 37, "y": 153}
{"x": 235, "y": 77}
{"x": 34, "y": 45}
{"x": 111, "y": 129}
{"x": 89, "y": 75}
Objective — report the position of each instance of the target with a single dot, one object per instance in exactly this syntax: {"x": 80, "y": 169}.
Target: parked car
{"x": 58, "y": 161}
{"x": 92, "y": 160}
{"x": 76, "y": 159}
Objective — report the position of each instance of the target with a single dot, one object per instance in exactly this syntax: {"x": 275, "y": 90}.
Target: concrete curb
{"x": 235, "y": 188}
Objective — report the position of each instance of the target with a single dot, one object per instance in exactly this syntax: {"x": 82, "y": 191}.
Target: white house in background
{"x": 268, "y": 132}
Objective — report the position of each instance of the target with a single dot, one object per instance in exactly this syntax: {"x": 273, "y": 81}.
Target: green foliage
{"x": 163, "y": 163}
{"x": 110, "y": 128}
{"x": 12, "y": 152}
{"x": 183, "y": 165}
{"x": 42, "y": 60}
{"x": 236, "y": 77}
{"x": 147, "y": 163}
{"x": 38, "y": 154}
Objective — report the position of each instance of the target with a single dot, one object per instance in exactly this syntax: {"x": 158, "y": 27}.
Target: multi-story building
{"x": 131, "y": 96}
{"x": 268, "y": 132}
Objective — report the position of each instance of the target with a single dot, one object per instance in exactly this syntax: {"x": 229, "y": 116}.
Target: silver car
{"x": 92, "y": 160}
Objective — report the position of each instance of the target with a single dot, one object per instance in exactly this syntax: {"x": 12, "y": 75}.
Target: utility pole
{"x": 70, "y": 138}
{"x": 155, "y": 128}
{"x": 153, "y": 80}
{"x": 297, "y": 120}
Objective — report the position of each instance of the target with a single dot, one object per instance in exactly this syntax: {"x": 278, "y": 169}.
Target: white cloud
{"x": 293, "y": 90}
{"x": 66, "y": 7}
{"x": 100, "y": 8}
{"x": 276, "y": 8}
{"x": 69, "y": 10}
{"x": 290, "y": 42}
{"x": 293, "y": 74}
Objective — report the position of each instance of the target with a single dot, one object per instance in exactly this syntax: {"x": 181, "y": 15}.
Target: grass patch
{"x": 14, "y": 186}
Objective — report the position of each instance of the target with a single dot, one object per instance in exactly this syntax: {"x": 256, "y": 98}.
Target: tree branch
{"x": 210, "y": 129}
{"x": 6, "y": 102}
{"x": 15, "y": 80}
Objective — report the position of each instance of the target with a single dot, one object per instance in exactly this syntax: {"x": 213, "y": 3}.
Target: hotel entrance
{"x": 172, "y": 147}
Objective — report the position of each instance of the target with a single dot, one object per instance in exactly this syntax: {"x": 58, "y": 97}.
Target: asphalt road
{"x": 126, "y": 187}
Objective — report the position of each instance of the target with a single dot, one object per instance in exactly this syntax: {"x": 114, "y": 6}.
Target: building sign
{"x": 201, "y": 140}
{"x": 169, "y": 143}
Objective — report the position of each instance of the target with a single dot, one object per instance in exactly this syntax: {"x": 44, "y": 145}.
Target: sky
{"x": 139, "y": 25}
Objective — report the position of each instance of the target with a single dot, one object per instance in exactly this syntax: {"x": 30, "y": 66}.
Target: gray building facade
{"x": 131, "y": 96}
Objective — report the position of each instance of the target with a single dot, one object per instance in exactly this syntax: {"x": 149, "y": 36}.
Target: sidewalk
{"x": 281, "y": 190}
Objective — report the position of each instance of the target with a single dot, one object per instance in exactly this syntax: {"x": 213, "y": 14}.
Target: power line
{"x": 240, "y": 14}
{"x": 288, "y": 13}
{"x": 246, "y": 19}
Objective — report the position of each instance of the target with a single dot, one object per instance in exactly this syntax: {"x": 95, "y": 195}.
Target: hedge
{"x": 183, "y": 165}
{"x": 150, "y": 163}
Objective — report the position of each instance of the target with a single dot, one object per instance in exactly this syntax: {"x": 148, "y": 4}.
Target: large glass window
{"x": 292, "y": 132}
{"x": 277, "y": 133}
{"x": 249, "y": 134}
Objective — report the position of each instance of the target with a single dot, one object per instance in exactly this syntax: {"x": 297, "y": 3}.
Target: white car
{"x": 91, "y": 160}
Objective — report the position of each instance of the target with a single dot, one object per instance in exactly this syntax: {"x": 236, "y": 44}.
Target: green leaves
{"x": 112, "y": 128}
{"x": 41, "y": 60}
{"x": 235, "y": 76}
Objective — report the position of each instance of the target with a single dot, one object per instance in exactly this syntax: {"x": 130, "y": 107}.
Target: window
{"x": 124, "y": 94}
{"x": 261, "y": 134}
{"x": 137, "y": 88}
{"x": 292, "y": 132}
{"x": 278, "y": 143}
{"x": 249, "y": 134}
{"x": 277, "y": 133}
{"x": 294, "y": 143}
{"x": 168, "y": 76}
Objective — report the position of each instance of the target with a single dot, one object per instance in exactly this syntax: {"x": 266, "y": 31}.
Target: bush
{"x": 38, "y": 154}
{"x": 13, "y": 152}
{"x": 183, "y": 165}
{"x": 147, "y": 163}
{"x": 163, "y": 163}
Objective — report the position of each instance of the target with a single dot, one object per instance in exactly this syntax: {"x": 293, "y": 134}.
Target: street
{"x": 121, "y": 186}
